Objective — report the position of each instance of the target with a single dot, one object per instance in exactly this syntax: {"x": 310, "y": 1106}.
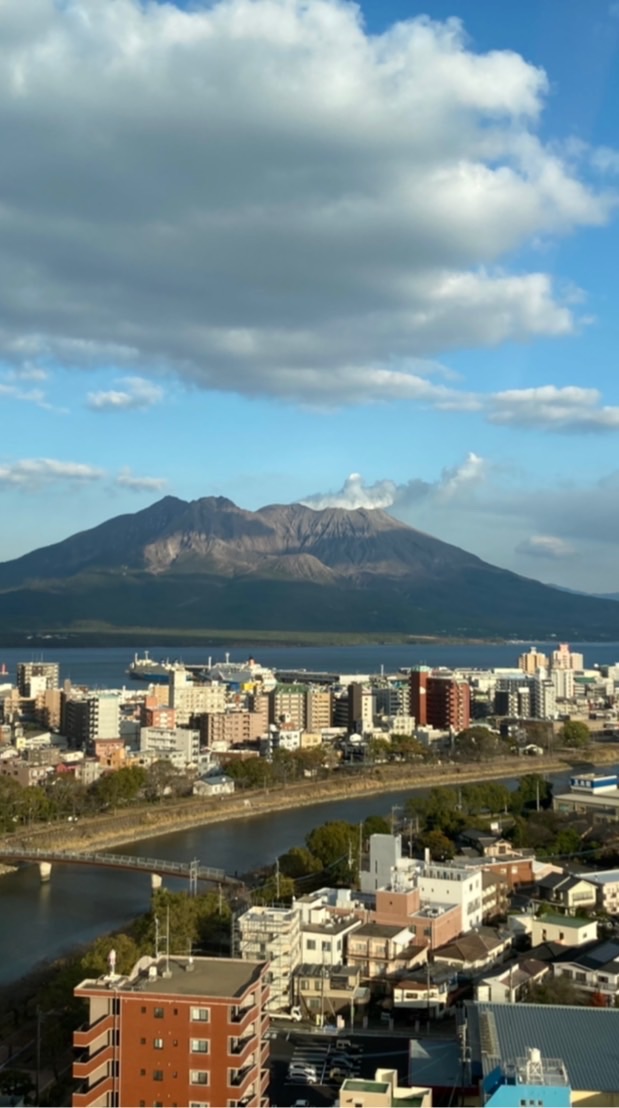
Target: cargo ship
{"x": 147, "y": 669}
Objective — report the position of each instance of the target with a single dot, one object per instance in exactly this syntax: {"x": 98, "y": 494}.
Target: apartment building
{"x": 184, "y": 1031}
{"x": 443, "y": 884}
{"x": 191, "y": 698}
{"x": 272, "y": 935}
{"x": 180, "y": 745}
{"x": 87, "y": 717}
{"x": 440, "y": 700}
{"x": 221, "y": 730}
{"x": 34, "y": 677}
{"x": 288, "y": 702}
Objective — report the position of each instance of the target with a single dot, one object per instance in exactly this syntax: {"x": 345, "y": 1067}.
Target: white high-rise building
{"x": 563, "y": 681}
{"x": 544, "y": 696}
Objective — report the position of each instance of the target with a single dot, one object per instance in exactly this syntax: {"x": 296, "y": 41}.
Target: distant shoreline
{"x": 148, "y": 637}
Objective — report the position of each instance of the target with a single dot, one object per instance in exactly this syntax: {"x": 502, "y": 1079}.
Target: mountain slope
{"x": 210, "y": 564}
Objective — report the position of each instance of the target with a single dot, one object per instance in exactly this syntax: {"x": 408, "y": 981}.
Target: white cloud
{"x": 135, "y": 393}
{"x": 355, "y": 493}
{"x": 301, "y": 209}
{"x": 556, "y": 409}
{"x": 34, "y": 473}
{"x": 128, "y": 480}
{"x": 546, "y": 546}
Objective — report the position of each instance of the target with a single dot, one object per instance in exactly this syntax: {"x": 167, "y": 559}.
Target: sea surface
{"x": 106, "y": 667}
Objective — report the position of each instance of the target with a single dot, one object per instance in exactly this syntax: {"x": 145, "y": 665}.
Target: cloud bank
{"x": 355, "y": 493}
{"x": 261, "y": 197}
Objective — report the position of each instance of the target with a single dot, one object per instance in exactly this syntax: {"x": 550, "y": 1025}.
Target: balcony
{"x": 241, "y": 1047}
{"x": 265, "y": 1078}
{"x": 86, "y": 1035}
{"x": 241, "y": 1077}
{"x": 97, "y": 1094}
{"x": 87, "y": 1064}
{"x": 240, "y": 1018}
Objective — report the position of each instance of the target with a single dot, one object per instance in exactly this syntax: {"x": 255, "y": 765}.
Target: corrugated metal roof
{"x": 587, "y": 1039}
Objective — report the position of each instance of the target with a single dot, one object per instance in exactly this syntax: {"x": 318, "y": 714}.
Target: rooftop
{"x": 559, "y": 920}
{"x": 226, "y": 978}
{"x": 378, "y": 931}
{"x": 586, "y": 1038}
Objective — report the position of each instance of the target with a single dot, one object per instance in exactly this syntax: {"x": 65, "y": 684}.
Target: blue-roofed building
{"x": 527, "y": 1082}
{"x": 585, "y": 1039}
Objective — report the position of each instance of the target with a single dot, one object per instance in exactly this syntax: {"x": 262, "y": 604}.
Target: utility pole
{"x": 220, "y": 897}
{"x": 156, "y": 937}
{"x": 537, "y": 795}
{"x": 277, "y": 878}
{"x": 360, "y": 844}
{"x": 38, "y": 1057}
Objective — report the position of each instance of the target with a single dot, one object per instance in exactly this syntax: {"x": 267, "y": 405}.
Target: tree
{"x": 336, "y": 845}
{"x": 531, "y": 787}
{"x": 274, "y": 891}
{"x": 441, "y": 848}
{"x": 575, "y": 734}
{"x": 375, "y": 825}
{"x": 95, "y": 962}
{"x": 298, "y": 862}
{"x": 477, "y": 744}
{"x": 378, "y": 750}
{"x": 554, "y": 990}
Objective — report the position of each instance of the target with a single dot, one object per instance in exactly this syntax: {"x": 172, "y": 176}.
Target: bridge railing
{"x": 121, "y": 861}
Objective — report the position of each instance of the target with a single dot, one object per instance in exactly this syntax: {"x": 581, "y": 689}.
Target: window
{"x": 157, "y": 1075}
{"x": 142, "y": 1073}
{"x": 200, "y": 1015}
{"x": 157, "y": 1044}
{"x": 142, "y": 1042}
{"x": 326, "y": 947}
{"x": 198, "y": 1077}
{"x": 158, "y": 1013}
{"x": 143, "y": 1010}
{"x": 199, "y": 1046}
{"x": 311, "y": 944}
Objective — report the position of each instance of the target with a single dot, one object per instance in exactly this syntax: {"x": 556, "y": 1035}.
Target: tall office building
{"x": 177, "y": 1031}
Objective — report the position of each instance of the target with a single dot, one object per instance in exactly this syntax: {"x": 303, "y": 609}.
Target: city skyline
{"x": 336, "y": 254}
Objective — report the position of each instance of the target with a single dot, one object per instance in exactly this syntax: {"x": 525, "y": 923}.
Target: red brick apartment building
{"x": 188, "y": 1032}
{"x": 438, "y": 701}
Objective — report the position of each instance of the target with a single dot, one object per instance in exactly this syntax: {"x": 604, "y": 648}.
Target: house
{"x": 429, "y": 991}
{"x": 475, "y": 950}
{"x": 214, "y": 785}
{"x": 594, "y": 969}
{"x": 512, "y": 984}
{"x": 486, "y": 843}
{"x": 322, "y": 992}
{"x": 553, "y": 927}
{"x": 383, "y": 1092}
{"x": 606, "y": 883}
{"x": 381, "y": 950}
{"x": 567, "y": 892}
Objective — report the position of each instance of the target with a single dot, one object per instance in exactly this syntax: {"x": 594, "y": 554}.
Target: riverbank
{"x": 126, "y": 827}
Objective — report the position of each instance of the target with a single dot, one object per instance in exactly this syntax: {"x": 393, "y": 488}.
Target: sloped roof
{"x": 587, "y": 1039}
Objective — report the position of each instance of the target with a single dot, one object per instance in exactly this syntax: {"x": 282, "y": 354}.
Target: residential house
{"x": 218, "y": 784}
{"x": 325, "y": 992}
{"x": 555, "y": 928}
{"x": 606, "y": 884}
{"x": 323, "y": 942}
{"x": 567, "y": 892}
{"x": 508, "y": 986}
{"x": 593, "y": 968}
{"x": 381, "y": 950}
{"x": 475, "y": 950}
{"x": 429, "y": 991}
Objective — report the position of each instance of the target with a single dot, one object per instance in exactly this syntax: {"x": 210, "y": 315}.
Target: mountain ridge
{"x": 210, "y": 563}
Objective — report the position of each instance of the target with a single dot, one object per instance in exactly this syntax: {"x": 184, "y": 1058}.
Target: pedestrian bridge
{"x": 156, "y": 867}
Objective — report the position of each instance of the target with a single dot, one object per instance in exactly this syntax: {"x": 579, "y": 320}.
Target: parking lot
{"x": 332, "y": 1058}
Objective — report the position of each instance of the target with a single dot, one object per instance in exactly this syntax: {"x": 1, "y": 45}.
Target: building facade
{"x": 186, "y": 1031}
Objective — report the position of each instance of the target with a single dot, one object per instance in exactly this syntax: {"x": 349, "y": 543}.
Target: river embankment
{"x": 124, "y": 827}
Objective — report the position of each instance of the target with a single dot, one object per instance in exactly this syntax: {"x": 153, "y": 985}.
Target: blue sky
{"x": 252, "y": 247}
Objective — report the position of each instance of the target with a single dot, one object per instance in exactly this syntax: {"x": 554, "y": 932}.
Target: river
{"x": 40, "y": 922}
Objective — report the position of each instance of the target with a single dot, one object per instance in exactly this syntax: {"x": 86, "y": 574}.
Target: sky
{"x": 346, "y": 254}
